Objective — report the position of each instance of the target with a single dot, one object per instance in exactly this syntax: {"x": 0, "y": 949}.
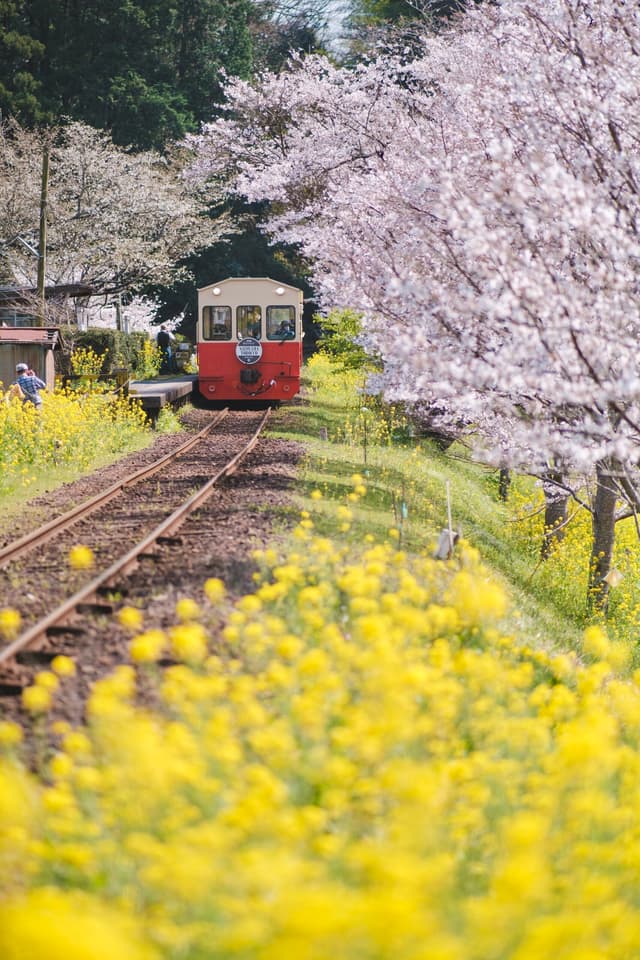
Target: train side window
{"x": 281, "y": 322}
{"x": 216, "y": 323}
{"x": 249, "y": 321}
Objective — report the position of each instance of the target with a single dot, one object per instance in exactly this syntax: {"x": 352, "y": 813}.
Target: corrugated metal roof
{"x": 45, "y": 335}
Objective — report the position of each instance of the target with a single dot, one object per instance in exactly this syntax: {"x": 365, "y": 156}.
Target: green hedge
{"x": 117, "y": 349}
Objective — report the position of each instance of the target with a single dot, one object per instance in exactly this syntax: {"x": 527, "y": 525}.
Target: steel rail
{"x": 48, "y": 530}
{"x": 129, "y": 559}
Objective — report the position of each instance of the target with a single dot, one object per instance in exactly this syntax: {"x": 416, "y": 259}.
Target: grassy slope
{"x": 407, "y": 490}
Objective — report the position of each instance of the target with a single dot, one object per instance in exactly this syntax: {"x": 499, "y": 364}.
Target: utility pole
{"x": 42, "y": 242}
{"x": 118, "y": 306}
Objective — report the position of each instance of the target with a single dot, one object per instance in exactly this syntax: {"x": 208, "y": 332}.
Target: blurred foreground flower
{"x": 47, "y": 680}
{"x": 36, "y": 699}
{"x": 147, "y": 647}
{"x": 130, "y": 618}
{"x": 10, "y": 734}
{"x": 187, "y": 610}
{"x": 63, "y": 666}
{"x": 81, "y": 557}
{"x": 53, "y": 924}
{"x": 10, "y": 621}
{"x": 214, "y": 590}
{"x": 189, "y": 642}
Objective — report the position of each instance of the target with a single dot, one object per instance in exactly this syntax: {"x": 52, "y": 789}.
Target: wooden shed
{"x": 31, "y": 345}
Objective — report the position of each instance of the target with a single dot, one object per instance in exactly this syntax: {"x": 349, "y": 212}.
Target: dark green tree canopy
{"x": 391, "y": 11}
{"x": 19, "y": 56}
{"x": 147, "y": 70}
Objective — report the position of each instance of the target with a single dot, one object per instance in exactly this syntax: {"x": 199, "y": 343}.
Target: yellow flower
{"x": 130, "y": 618}
{"x": 77, "y": 744}
{"x": 51, "y": 924}
{"x": 477, "y": 600}
{"x": 36, "y": 699}
{"x": 87, "y": 778}
{"x": 10, "y": 621}
{"x": 47, "y": 680}
{"x": 147, "y": 647}
{"x": 60, "y": 727}
{"x": 63, "y": 666}
{"x": 187, "y": 610}
{"x": 595, "y": 642}
{"x": 10, "y": 734}
{"x": 288, "y": 646}
{"x": 620, "y": 655}
{"x": 61, "y": 766}
{"x": 316, "y": 495}
{"x": 81, "y": 557}
{"x": 250, "y": 604}
{"x": 189, "y": 642}
{"x": 214, "y": 590}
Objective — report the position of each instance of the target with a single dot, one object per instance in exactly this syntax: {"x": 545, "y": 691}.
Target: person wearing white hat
{"x": 30, "y": 385}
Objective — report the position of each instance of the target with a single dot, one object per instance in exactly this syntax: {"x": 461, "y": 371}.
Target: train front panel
{"x": 249, "y": 340}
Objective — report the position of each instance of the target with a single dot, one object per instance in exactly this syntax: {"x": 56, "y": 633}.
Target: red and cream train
{"x": 249, "y": 340}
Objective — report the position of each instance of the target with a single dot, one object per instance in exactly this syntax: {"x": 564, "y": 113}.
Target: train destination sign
{"x": 249, "y": 350}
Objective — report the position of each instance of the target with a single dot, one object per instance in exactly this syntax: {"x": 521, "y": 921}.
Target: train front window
{"x": 216, "y": 323}
{"x": 249, "y": 321}
{"x": 281, "y": 323}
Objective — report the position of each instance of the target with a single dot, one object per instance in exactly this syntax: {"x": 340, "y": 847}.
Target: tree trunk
{"x": 603, "y": 526}
{"x": 556, "y": 507}
{"x": 503, "y": 484}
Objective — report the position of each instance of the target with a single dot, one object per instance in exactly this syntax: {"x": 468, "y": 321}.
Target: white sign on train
{"x": 249, "y": 350}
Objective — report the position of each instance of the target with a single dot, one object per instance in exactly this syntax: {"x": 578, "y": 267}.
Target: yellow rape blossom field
{"x": 571, "y": 555}
{"x": 369, "y": 768}
{"x": 72, "y": 429}
{"x": 368, "y": 764}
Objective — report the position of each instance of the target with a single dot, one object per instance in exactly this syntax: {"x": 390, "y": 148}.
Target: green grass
{"x": 15, "y": 503}
{"x": 407, "y": 490}
{"x": 169, "y": 420}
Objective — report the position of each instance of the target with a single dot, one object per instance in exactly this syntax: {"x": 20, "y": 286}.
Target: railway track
{"x": 123, "y": 525}
{"x": 48, "y": 530}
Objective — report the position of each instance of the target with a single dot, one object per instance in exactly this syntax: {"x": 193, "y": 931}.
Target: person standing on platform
{"x": 166, "y": 341}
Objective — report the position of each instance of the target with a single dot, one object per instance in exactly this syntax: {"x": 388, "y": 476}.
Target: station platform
{"x": 154, "y": 394}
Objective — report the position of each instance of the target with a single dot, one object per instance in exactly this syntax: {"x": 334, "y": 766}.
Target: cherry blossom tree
{"x": 479, "y": 206}
{"x": 116, "y": 219}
